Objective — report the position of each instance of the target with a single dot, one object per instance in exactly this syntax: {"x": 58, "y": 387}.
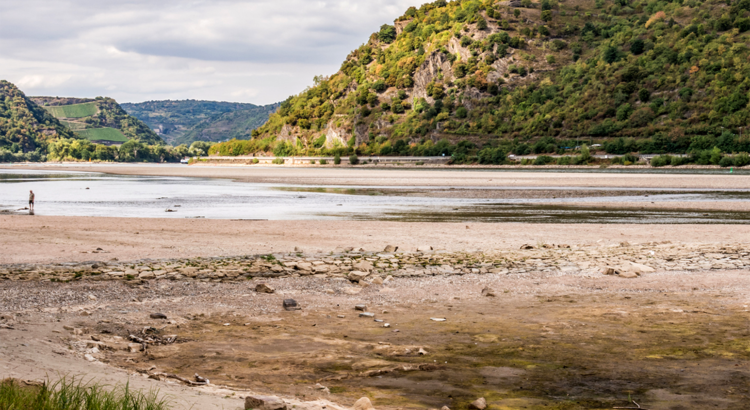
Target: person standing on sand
{"x": 31, "y": 200}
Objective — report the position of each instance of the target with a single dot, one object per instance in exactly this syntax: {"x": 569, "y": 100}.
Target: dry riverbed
{"x": 539, "y": 327}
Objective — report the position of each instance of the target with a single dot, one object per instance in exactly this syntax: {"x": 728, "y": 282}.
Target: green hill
{"x": 98, "y": 119}
{"x": 25, "y": 127}
{"x": 183, "y": 122}
{"x": 479, "y": 79}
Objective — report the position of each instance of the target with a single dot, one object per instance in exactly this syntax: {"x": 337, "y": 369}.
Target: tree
{"x": 516, "y": 12}
{"x": 546, "y": 5}
{"x": 547, "y": 15}
{"x": 611, "y": 54}
{"x": 482, "y": 24}
{"x": 644, "y": 95}
{"x": 637, "y": 46}
{"x": 387, "y": 33}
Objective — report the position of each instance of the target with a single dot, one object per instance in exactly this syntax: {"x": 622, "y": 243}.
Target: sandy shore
{"x": 418, "y": 177}
{"x": 44, "y": 239}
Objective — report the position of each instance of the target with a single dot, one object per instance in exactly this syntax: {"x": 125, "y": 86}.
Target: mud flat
{"x": 539, "y": 327}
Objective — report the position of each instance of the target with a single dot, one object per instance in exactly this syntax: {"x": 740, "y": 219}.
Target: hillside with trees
{"x": 25, "y": 127}
{"x": 186, "y": 121}
{"x": 98, "y": 118}
{"x": 480, "y": 79}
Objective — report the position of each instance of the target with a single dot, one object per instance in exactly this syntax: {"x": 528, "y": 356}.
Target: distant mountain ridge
{"x": 186, "y": 121}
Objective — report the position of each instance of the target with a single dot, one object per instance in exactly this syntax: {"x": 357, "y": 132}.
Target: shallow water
{"x": 68, "y": 193}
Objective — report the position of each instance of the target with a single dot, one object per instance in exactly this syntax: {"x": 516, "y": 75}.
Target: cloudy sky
{"x": 257, "y": 51}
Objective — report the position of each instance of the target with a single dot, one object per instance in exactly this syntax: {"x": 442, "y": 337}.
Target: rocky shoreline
{"x": 356, "y": 265}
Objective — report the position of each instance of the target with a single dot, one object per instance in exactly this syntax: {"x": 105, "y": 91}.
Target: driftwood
{"x": 635, "y": 408}
{"x": 200, "y": 381}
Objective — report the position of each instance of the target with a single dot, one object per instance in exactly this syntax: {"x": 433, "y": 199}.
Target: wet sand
{"x": 419, "y": 177}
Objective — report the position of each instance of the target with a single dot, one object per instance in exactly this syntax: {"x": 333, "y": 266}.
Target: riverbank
{"x": 651, "y": 178}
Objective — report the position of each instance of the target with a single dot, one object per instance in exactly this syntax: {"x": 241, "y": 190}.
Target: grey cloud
{"x": 259, "y": 51}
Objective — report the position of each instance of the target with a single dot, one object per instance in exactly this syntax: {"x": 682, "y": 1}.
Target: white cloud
{"x": 258, "y": 51}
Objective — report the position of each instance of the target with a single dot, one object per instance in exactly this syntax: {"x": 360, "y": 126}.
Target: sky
{"x": 254, "y": 51}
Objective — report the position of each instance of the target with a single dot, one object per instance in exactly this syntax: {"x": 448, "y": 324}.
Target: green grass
{"x": 102, "y": 134}
{"x": 75, "y": 126}
{"x": 73, "y": 110}
{"x": 69, "y": 394}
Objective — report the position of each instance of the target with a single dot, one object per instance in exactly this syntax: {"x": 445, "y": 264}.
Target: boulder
{"x": 363, "y": 266}
{"x": 290, "y": 304}
{"x": 363, "y": 404}
{"x": 478, "y": 404}
{"x": 390, "y": 248}
{"x": 264, "y": 288}
{"x": 488, "y": 292}
{"x": 356, "y": 276}
{"x": 361, "y": 307}
{"x": 526, "y": 246}
{"x": 264, "y": 403}
{"x": 158, "y": 316}
{"x": 377, "y": 281}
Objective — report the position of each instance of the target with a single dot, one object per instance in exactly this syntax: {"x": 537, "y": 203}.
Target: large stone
{"x": 264, "y": 403}
{"x": 158, "y": 316}
{"x": 363, "y": 404}
{"x": 478, "y": 404}
{"x": 390, "y": 248}
{"x": 488, "y": 292}
{"x": 356, "y": 276}
{"x": 363, "y": 266}
{"x": 264, "y": 288}
{"x": 290, "y": 304}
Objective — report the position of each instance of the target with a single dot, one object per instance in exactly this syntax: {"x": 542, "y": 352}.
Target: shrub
{"x": 550, "y": 59}
{"x": 727, "y": 161}
{"x": 677, "y": 161}
{"x": 419, "y": 163}
{"x": 323, "y": 161}
{"x": 256, "y": 160}
{"x": 278, "y": 161}
{"x": 661, "y": 161}
{"x": 353, "y": 160}
{"x": 644, "y": 95}
{"x": 337, "y": 159}
{"x": 741, "y": 159}
{"x": 312, "y": 162}
{"x": 543, "y": 160}
{"x": 461, "y": 112}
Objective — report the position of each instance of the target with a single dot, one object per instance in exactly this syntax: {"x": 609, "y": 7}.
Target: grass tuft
{"x": 71, "y": 394}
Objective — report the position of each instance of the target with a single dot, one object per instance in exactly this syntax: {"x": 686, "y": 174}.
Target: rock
{"x": 390, "y": 248}
{"x": 488, "y": 292}
{"x": 89, "y": 357}
{"x": 526, "y": 246}
{"x": 478, "y": 404}
{"x": 324, "y": 389}
{"x": 158, "y": 316}
{"x": 290, "y": 304}
{"x": 424, "y": 248}
{"x": 367, "y": 314}
{"x": 134, "y": 347}
{"x": 356, "y": 276}
{"x": 422, "y": 352}
{"x": 361, "y": 307}
{"x": 364, "y": 266}
{"x": 445, "y": 408}
{"x": 264, "y": 403}
{"x": 363, "y": 404}
{"x": 147, "y": 275}
{"x": 92, "y": 297}
{"x": 386, "y": 325}
{"x": 263, "y": 288}
{"x": 352, "y": 291}
{"x": 377, "y": 281}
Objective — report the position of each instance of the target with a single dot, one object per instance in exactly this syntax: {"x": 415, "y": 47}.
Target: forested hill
{"x": 100, "y": 118}
{"x": 186, "y": 121}
{"x": 26, "y": 127}
{"x": 636, "y": 75}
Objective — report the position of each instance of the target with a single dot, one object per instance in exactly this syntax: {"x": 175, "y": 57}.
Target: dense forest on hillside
{"x": 486, "y": 78}
{"x": 25, "y": 128}
{"x": 186, "y": 121}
